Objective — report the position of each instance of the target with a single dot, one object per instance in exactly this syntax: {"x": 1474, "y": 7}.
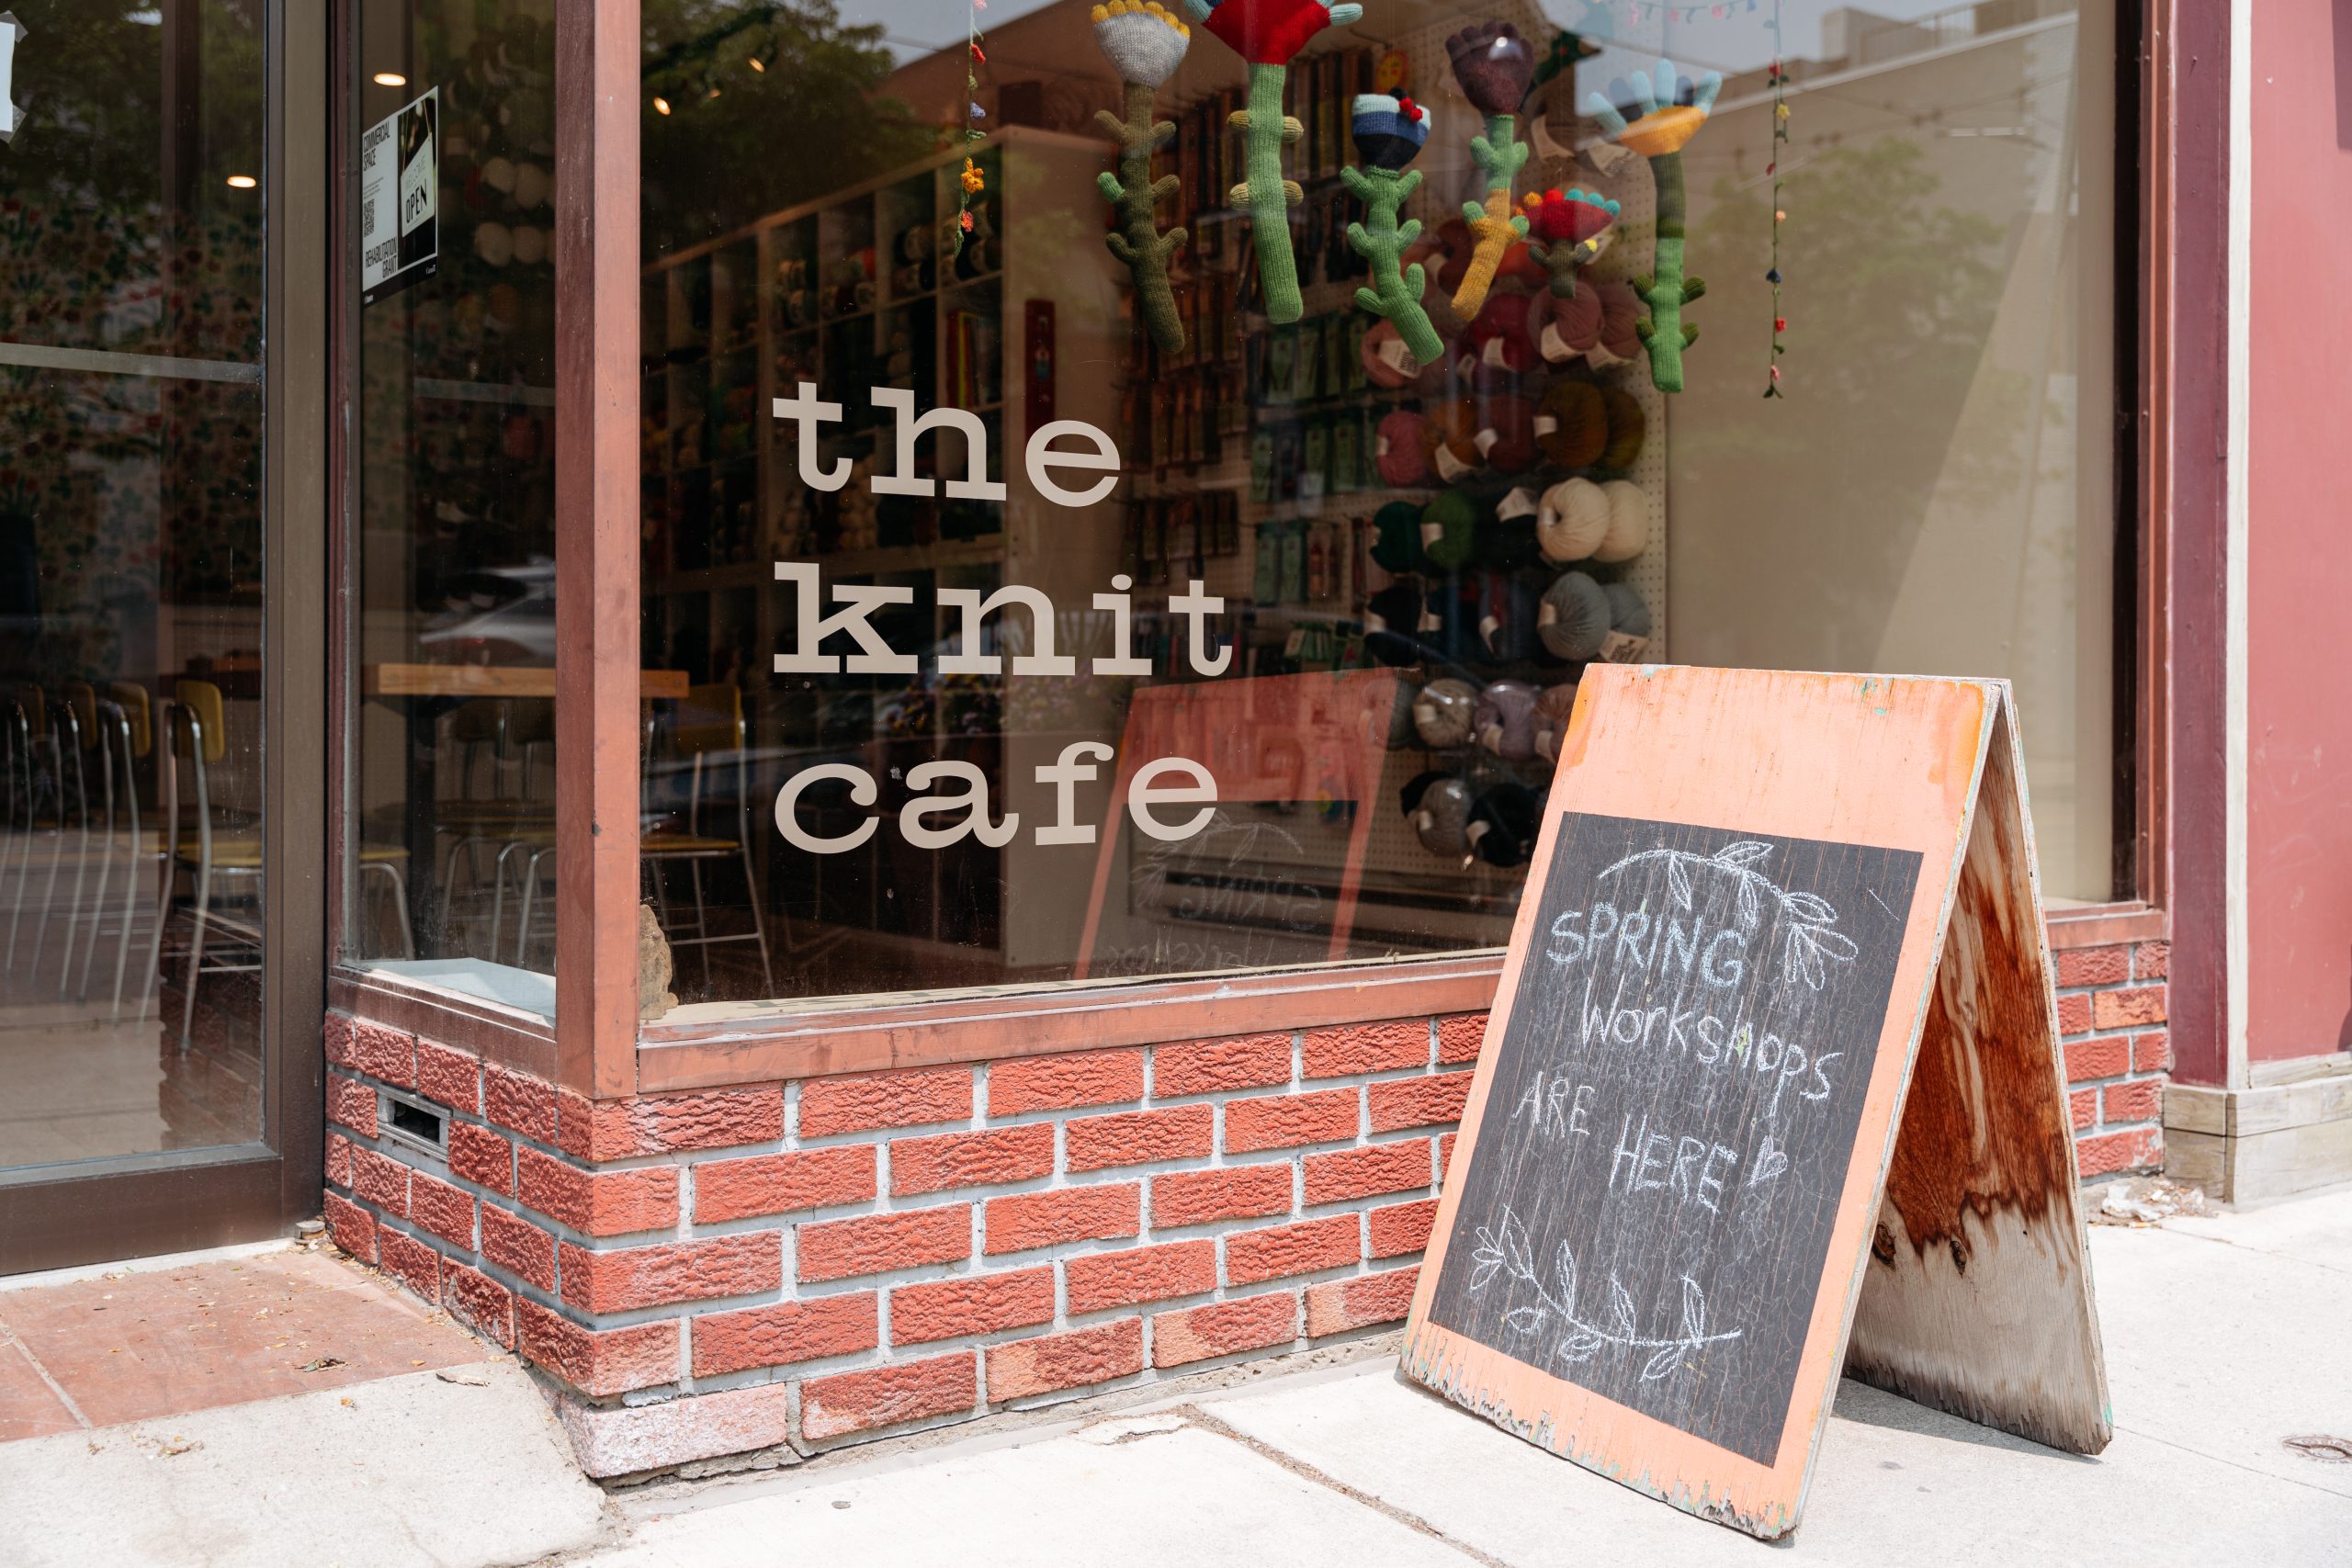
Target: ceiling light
{"x": 661, "y": 105}
{"x": 243, "y": 181}
{"x": 390, "y": 79}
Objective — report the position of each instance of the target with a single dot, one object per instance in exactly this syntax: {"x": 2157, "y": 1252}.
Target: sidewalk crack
{"x": 1304, "y": 1471}
{"x": 8, "y": 1336}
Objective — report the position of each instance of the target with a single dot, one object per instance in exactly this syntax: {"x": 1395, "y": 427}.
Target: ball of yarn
{"x": 495, "y": 244}
{"x": 1628, "y": 610}
{"x": 1449, "y": 438}
{"x": 1502, "y": 826}
{"x": 1397, "y": 451}
{"x": 1572, "y": 521}
{"x": 1506, "y": 437}
{"x": 1567, "y": 329}
{"x": 1627, "y": 424}
{"x": 1396, "y": 539}
{"x": 1620, "y": 308}
{"x": 1448, "y": 625}
{"x": 530, "y": 186}
{"x": 1574, "y": 620}
{"x": 1508, "y": 604}
{"x": 1572, "y": 424}
{"x": 1498, "y": 340}
{"x": 1520, "y": 269}
{"x": 1505, "y": 720}
{"x": 1453, "y": 237}
{"x": 1400, "y": 732}
{"x": 1448, "y": 529}
{"x": 1386, "y": 361}
{"x": 1554, "y": 707}
{"x": 530, "y": 245}
{"x": 1629, "y": 522}
{"x": 1392, "y": 622}
{"x": 1439, "y": 808}
{"x": 1445, "y": 713}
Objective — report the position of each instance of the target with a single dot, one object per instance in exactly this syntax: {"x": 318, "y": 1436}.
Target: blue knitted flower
{"x": 1389, "y": 131}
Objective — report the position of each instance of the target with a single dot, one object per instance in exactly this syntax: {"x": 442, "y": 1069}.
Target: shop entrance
{"x": 161, "y": 701}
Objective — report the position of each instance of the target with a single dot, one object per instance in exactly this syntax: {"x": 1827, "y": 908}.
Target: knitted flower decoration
{"x": 1576, "y": 217}
{"x": 1269, "y": 32}
{"x": 1494, "y": 64}
{"x": 1143, "y": 40}
{"x": 1389, "y": 132}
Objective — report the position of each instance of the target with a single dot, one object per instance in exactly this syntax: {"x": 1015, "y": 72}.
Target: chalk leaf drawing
{"x": 1810, "y": 942}
{"x": 1503, "y": 1249}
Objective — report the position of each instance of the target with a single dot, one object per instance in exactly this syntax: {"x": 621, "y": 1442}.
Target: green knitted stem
{"x": 1269, "y": 204}
{"x": 1395, "y": 293}
{"x": 1666, "y": 292}
{"x": 1563, "y": 263}
{"x": 1139, "y": 243}
{"x": 1494, "y": 224}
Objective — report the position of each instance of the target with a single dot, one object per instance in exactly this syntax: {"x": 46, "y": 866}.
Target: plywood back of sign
{"x": 1861, "y": 762}
{"x": 1978, "y": 1296}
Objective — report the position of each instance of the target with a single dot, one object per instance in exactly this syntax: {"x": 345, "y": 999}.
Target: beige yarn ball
{"x": 1573, "y": 522}
{"x": 1629, "y": 522}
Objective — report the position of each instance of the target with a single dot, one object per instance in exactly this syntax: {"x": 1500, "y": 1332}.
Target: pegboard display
{"x": 1204, "y": 426}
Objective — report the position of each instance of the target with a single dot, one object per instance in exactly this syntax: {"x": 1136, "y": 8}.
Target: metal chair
{"x": 194, "y": 738}
{"x": 707, "y": 733}
{"x": 515, "y": 733}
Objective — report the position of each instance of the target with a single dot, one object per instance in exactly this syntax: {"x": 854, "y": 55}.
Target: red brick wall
{"x": 2111, "y": 1016}
{"x": 848, "y": 1257}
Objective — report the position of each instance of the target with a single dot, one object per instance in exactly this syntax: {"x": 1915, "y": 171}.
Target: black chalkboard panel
{"x": 1647, "y": 1209}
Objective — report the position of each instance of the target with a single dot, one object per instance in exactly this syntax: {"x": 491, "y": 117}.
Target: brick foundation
{"x": 827, "y": 1261}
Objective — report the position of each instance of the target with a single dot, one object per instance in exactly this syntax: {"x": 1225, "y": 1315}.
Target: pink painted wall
{"x": 2299, "y": 802}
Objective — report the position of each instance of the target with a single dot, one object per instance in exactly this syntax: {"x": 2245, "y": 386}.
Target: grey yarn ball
{"x": 1506, "y": 720}
{"x": 1443, "y": 819}
{"x": 1574, "y": 621}
{"x": 1627, "y": 610}
{"x": 1445, "y": 713}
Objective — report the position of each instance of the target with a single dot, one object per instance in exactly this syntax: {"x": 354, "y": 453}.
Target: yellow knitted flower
{"x": 974, "y": 181}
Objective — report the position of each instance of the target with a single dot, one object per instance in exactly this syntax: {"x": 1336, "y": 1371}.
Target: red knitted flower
{"x": 1266, "y": 32}
{"x": 1572, "y": 218}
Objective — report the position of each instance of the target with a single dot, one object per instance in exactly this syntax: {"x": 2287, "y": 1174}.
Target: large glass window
{"x": 453, "y": 763}
{"x": 1030, "y": 598}
{"x": 131, "y": 579}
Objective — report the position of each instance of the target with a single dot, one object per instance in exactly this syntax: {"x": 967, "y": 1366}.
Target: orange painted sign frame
{"x": 1930, "y": 765}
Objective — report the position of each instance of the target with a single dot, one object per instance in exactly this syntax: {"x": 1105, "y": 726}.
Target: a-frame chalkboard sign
{"x": 1771, "y": 1089}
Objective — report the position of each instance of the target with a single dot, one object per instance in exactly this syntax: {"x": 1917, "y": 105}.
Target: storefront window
{"x": 1036, "y": 598}
{"x": 132, "y": 580}
{"x": 453, "y": 768}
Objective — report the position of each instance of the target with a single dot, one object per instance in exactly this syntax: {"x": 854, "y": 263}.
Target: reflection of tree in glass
{"x": 1891, "y": 298}
{"x": 115, "y": 238}
{"x": 804, "y": 124}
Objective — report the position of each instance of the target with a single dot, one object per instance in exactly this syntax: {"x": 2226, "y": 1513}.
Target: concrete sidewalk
{"x": 2224, "y": 1339}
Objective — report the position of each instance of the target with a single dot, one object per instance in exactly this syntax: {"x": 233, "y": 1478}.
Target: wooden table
{"x": 425, "y": 692}
{"x": 492, "y": 680}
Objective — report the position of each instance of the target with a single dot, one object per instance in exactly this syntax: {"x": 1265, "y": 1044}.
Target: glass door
{"x": 159, "y": 853}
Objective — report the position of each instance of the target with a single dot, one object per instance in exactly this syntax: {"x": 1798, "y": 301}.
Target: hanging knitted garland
{"x": 972, "y": 182}
{"x": 1778, "y": 79}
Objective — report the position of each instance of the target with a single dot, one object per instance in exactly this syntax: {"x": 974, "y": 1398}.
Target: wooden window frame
{"x": 2169, "y": 400}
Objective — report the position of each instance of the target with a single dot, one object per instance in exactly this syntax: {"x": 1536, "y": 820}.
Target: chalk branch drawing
{"x": 1505, "y": 1247}
{"x": 1808, "y": 945}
